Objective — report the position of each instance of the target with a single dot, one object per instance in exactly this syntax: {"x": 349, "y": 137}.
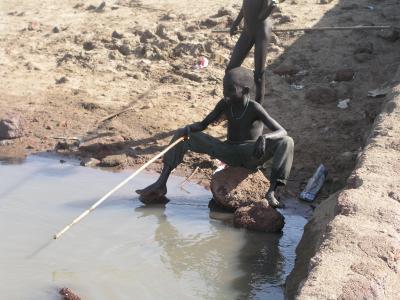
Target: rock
{"x": 146, "y": 35}
{"x": 68, "y": 294}
{"x": 192, "y": 28}
{"x": 161, "y": 31}
{"x": 89, "y": 106}
{"x": 168, "y": 17}
{"x": 362, "y": 57}
{"x": 344, "y": 75}
{"x": 192, "y": 76}
{"x": 286, "y": 69}
{"x": 101, "y": 7}
{"x": 259, "y": 216}
{"x": 236, "y": 187}
{"x": 282, "y": 19}
{"x": 364, "y": 52}
{"x": 321, "y": 95}
{"x": 224, "y": 12}
{"x": 62, "y": 80}
{"x": 181, "y": 37}
{"x": 12, "y": 126}
{"x": 193, "y": 49}
{"x": 114, "y": 160}
{"x": 117, "y": 35}
{"x": 390, "y": 35}
{"x": 170, "y": 78}
{"x": 56, "y": 29}
{"x": 91, "y": 7}
{"x": 89, "y": 46}
{"x": 209, "y": 23}
{"x": 124, "y": 49}
{"x": 89, "y": 162}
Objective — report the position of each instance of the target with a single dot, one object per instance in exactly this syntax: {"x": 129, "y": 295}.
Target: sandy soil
{"x": 354, "y": 236}
{"x": 152, "y": 71}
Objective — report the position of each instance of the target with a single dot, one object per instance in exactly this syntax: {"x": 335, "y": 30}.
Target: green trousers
{"x": 237, "y": 155}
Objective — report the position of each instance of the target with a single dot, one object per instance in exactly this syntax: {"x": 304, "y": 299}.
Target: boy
{"x": 246, "y": 145}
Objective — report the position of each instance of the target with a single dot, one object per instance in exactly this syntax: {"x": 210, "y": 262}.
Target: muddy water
{"x": 124, "y": 250}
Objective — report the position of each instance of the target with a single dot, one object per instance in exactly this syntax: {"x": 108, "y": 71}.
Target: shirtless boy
{"x": 246, "y": 145}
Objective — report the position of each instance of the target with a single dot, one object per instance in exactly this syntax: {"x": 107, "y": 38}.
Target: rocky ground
{"x": 66, "y": 66}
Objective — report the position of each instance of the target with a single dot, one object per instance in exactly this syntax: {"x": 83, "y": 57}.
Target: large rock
{"x": 236, "y": 187}
{"x": 321, "y": 95}
{"x": 114, "y": 160}
{"x": 12, "y": 126}
{"x": 259, "y": 216}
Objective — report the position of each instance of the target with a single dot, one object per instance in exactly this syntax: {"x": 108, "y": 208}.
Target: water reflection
{"x": 256, "y": 265}
{"x": 261, "y": 261}
{"x": 196, "y": 257}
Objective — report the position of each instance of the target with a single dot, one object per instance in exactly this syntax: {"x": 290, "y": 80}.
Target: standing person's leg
{"x": 263, "y": 37}
{"x": 241, "y": 50}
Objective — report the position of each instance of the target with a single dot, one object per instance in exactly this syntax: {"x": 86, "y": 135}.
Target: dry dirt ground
{"x": 64, "y": 69}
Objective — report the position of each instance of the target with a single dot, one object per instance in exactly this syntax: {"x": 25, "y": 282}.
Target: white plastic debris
{"x": 343, "y": 104}
{"x": 314, "y": 184}
{"x": 377, "y": 93}
{"x": 202, "y": 63}
{"x": 297, "y": 86}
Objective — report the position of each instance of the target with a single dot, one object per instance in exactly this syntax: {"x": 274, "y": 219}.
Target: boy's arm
{"x": 277, "y": 131}
{"x": 235, "y": 25}
{"x": 210, "y": 118}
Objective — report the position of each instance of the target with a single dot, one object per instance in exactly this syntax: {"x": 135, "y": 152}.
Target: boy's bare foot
{"x": 272, "y": 201}
{"x": 153, "y": 191}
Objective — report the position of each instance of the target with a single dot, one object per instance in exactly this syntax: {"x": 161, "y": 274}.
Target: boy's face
{"x": 233, "y": 92}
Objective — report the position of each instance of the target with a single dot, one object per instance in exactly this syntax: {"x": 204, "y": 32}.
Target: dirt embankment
{"x": 351, "y": 246}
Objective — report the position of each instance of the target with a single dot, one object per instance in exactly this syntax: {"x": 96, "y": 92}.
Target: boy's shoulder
{"x": 257, "y": 106}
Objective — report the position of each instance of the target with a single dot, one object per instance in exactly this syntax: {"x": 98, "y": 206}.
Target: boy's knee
{"x": 288, "y": 142}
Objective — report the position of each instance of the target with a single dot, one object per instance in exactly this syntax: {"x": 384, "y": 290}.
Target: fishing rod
{"x": 102, "y": 199}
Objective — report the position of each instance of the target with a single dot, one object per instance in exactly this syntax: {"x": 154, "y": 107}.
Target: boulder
{"x": 286, "y": 69}
{"x": 321, "y": 95}
{"x": 234, "y": 187}
{"x": 259, "y": 216}
{"x": 344, "y": 75}
{"x": 89, "y": 162}
{"x": 12, "y": 126}
{"x": 114, "y": 160}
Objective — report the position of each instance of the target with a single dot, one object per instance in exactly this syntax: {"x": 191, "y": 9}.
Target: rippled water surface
{"x": 124, "y": 250}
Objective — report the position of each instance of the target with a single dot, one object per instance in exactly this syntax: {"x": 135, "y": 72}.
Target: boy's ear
{"x": 246, "y": 90}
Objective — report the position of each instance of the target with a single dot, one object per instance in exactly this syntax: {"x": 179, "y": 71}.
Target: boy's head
{"x": 237, "y": 83}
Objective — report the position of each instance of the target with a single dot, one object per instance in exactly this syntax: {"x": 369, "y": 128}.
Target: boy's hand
{"x": 259, "y": 147}
{"x": 234, "y": 29}
{"x": 184, "y": 132}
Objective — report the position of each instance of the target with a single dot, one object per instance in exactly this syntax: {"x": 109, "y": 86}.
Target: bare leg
{"x": 241, "y": 50}
{"x": 159, "y": 188}
{"x": 263, "y": 36}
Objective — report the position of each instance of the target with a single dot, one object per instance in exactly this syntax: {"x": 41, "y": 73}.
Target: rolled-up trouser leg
{"x": 198, "y": 142}
{"x": 282, "y": 158}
